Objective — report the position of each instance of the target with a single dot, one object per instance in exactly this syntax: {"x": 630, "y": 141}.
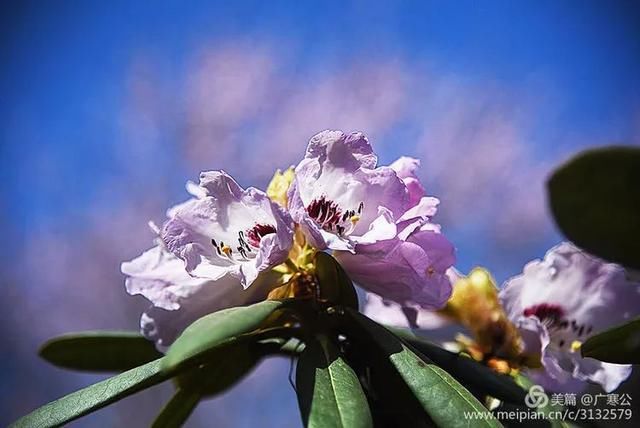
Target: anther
{"x": 215, "y": 244}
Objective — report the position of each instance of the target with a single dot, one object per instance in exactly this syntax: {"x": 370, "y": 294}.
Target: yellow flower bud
{"x": 279, "y": 185}
{"x": 475, "y": 304}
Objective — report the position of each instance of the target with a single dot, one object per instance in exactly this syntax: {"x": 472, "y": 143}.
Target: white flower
{"x": 228, "y": 231}
{"x": 559, "y": 302}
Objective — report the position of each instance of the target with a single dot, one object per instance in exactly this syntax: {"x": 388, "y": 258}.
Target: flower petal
{"x": 338, "y": 178}
{"x": 583, "y": 286}
{"x": 406, "y": 168}
{"x": 395, "y": 315}
{"x": 351, "y": 151}
{"x": 567, "y": 297}
{"x": 194, "y": 190}
{"x": 407, "y": 272}
{"x": 160, "y": 277}
{"x": 211, "y": 234}
{"x": 163, "y": 326}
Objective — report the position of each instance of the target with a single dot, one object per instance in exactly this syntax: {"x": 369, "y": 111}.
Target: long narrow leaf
{"x": 335, "y": 284}
{"x": 222, "y": 370}
{"x": 465, "y": 370}
{"x": 329, "y": 393}
{"x": 619, "y": 345}
{"x": 443, "y": 398}
{"x": 99, "y": 351}
{"x": 178, "y": 409}
{"x": 213, "y": 330}
{"x": 94, "y": 397}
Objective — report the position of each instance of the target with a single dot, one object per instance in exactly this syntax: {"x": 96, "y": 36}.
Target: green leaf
{"x": 94, "y": 397}
{"x": 392, "y": 403}
{"x": 335, "y": 284}
{"x": 222, "y": 370}
{"x": 212, "y": 331}
{"x": 99, "y": 351}
{"x": 470, "y": 373}
{"x": 619, "y": 345}
{"x": 176, "y": 412}
{"x": 329, "y": 393}
{"x": 595, "y": 200}
{"x": 227, "y": 365}
{"x": 441, "y": 396}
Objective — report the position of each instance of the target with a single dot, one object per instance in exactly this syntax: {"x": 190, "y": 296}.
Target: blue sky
{"x": 108, "y": 107}
{"x": 65, "y": 63}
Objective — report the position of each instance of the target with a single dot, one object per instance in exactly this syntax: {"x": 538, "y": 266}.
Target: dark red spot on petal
{"x": 255, "y": 234}
{"x": 546, "y": 312}
{"x": 324, "y": 211}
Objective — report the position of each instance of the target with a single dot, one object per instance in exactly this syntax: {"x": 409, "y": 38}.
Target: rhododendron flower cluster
{"x": 538, "y": 320}
{"x": 237, "y": 274}
{"x": 229, "y": 246}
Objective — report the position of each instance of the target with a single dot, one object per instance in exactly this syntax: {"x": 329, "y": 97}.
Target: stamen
{"x": 329, "y": 216}
{"x": 242, "y": 252}
{"x": 245, "y": 250}
{"x": 215, "y": 244}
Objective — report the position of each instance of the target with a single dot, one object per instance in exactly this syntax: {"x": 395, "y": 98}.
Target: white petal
{"x": 160, "y": 277}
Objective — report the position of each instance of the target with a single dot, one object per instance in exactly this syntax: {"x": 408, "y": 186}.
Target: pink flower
{"x": 375, "y": 218}
{"x": 559, "y": 302}
{"x": 228, "y": 231}
{"x": 192, "y": 271}
{"x": 177, "y": 298}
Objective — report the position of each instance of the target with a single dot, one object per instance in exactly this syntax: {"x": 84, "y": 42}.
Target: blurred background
{"x": 108, "y": 108}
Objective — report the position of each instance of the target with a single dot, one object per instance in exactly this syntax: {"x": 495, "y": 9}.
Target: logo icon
{"x": 536, "y": 397}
